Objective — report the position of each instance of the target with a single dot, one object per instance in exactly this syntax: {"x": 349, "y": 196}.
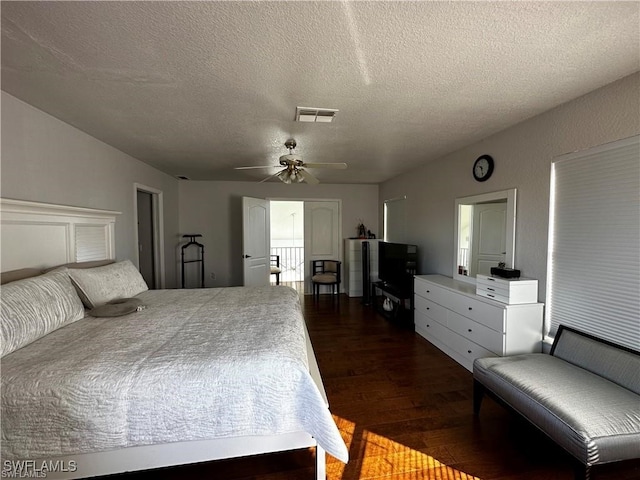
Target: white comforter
{"x": 195, "y": 364}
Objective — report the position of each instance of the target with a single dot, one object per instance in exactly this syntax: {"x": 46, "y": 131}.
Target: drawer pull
{"x": 428, "y": 308}
{"x": 491, "y": 289}
{"x": 489, "y": 295}
{"x": 491, "y": 279}
{"x": 428, "y": 325}
{"x": 469, "y": 330}
{"x": 428, "y": 291}
{"x": 470, "y": 308}
{"x": 468, "y": 351}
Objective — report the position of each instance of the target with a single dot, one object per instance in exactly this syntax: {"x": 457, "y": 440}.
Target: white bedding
{"x": 195, "y": 364}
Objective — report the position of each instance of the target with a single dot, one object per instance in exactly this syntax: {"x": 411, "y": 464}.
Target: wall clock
{"x": 483, "y": 168}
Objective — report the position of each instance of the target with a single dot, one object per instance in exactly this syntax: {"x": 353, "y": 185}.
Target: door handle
{"x": 246, "y": 256}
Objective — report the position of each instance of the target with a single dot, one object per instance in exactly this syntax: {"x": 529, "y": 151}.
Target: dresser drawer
{"x": 430, "y": 329}
{"x": 481, "y": 312}
{"x": 493, "y": 294}
{"x": 476, "y": 332}
{"x": 431, "y": 292}
{"x": 430, "y": 309}
{"x": 468, "y": 349}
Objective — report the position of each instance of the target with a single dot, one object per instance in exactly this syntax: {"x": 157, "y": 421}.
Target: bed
{"x": 196, "y": 375}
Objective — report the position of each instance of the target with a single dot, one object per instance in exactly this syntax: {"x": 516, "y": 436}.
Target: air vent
{"x": 315, "y": 115}
{"x": 182, "y": 177}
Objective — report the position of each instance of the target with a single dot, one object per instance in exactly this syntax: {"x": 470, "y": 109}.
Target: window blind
{"x": 594, "y": 242}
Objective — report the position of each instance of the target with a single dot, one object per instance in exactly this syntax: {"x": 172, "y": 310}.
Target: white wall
{"x": 214, "y": 209}
{"x": 523, "y": 156}
{"x": 47, "y": 160}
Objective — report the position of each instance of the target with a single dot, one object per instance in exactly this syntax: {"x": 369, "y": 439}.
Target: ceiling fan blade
{"x": 307, "y": 177}
{"x": 261, "y": 166}
{"x": 339, "y": 166}
{"x": 269, "y": 177}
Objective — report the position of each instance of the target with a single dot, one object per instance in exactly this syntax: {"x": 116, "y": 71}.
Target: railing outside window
{"x": 291, "y": 263}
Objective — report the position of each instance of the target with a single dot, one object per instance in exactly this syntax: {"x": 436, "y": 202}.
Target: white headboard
{"x": 42, "y": 235}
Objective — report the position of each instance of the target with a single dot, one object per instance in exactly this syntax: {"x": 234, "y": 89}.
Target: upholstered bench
{"x": 585, "y": 395}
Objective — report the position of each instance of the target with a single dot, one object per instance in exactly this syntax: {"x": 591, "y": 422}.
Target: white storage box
{"x": 511, "y": 291}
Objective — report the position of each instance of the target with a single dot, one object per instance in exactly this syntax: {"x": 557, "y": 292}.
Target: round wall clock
{"x": 483, "y": 168}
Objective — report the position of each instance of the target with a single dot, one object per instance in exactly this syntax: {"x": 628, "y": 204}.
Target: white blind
{"x": 91, "y": 243}
{"x": 594, "y": 241}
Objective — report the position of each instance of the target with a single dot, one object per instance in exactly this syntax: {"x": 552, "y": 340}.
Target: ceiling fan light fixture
{"x": 285, "y": 176}
{"x": 296, "y": 176}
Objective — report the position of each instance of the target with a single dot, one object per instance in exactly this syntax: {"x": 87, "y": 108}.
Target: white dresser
{"x": 353, "y": 264}
{"x": 465, "y": 326}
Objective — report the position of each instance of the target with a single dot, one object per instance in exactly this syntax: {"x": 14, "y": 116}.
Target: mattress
{"x": 193, "y": 365}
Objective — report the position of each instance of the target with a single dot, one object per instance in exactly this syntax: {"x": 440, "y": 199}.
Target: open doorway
{"x": 287, "y": 242}
{"x": 149, "y": 242}
{"x": 302, "y": 231}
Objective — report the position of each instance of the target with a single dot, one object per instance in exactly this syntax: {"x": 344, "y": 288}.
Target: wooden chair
{"x": 275, "y": 267}
{"x": 325, "y": 272}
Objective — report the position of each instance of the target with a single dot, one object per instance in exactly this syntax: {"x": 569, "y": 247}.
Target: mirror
{"x": 485, "y": 228}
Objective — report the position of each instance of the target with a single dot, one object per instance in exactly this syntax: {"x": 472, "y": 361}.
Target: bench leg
{"x": 478, "y": 394}
{"x": 582, "y": 472}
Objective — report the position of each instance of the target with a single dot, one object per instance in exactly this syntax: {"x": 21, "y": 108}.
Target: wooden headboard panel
{"x": 42, "y": 235}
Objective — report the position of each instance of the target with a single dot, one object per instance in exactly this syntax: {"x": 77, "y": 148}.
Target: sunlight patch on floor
{"x": 374, "y": 456}
{"x": 335, "y": 468}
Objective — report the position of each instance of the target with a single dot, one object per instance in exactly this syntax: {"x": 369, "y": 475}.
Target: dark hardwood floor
{"x": 405, "y": 412}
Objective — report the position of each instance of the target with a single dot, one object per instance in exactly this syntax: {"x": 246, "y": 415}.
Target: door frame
{"x": 340, "y": 237}
{"x": 157, "y": 206}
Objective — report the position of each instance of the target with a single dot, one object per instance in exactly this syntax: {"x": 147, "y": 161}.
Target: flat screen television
{"x": 397, "y": 263}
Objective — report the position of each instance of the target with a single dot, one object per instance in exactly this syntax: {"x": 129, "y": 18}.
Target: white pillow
{"x": 100, "y": 285}
{"x": 33, "y": 307}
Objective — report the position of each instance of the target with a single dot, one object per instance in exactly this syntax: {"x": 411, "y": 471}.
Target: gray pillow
{"x": 97, "y": 286}
{"x": 36, "y": 306}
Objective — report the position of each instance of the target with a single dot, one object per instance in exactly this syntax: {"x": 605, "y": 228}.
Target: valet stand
{"x": 192, "y": 242}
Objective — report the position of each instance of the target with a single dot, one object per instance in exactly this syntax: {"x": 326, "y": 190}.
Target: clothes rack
{"x": 200, "y": 259}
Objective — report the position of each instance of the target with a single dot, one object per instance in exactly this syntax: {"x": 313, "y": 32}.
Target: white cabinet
{"x": 507, "y": 290}
{"x": 465, "y": 326}
{"x": 353, "y": 265}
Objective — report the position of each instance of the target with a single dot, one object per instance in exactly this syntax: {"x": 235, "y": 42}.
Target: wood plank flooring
{"x": 405, "y": 412}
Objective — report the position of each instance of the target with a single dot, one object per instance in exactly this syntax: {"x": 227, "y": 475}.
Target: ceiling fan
{"x": 294, "y": 167}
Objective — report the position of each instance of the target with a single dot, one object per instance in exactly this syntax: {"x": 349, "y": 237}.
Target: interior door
{"x": 255, "y": 241}
{"x": 321, "y": 234}
{"x": 146, "y": 253}
{"x": 488, "y": 247}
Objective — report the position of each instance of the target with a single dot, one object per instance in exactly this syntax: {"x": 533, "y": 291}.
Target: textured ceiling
{"x": 196, "y": 88}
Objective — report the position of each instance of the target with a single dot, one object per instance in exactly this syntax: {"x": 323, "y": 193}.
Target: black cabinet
{"x": 399, "y": 303}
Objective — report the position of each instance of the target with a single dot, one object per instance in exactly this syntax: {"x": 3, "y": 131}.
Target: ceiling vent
{"x": 315, "y": 115}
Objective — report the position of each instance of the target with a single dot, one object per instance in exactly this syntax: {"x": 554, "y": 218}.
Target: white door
{"x": 488, "y": 247}
{"x": 255, "y": 241}
{"x": 322, "y": 234}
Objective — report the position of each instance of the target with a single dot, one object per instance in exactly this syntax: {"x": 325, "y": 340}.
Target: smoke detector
{"x": 315, "y": 115}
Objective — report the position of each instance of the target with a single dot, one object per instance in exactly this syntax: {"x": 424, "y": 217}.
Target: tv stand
{"x": 401, "y": 299}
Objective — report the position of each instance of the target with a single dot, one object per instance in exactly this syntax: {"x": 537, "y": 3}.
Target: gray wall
{"x": 44, "y": 159}
{"x": 214, "y": 209}
{"x": 47, "y": 160}
{"x": 523, "y": 156}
